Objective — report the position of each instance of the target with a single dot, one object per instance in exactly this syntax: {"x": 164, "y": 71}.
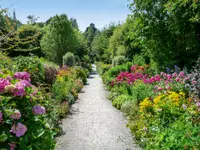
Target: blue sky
{"x": 99, "y": 12}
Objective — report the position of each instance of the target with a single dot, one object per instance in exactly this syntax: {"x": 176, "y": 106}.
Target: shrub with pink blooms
{"x": 22, "y": 114}
{"x": 161, "y": 107}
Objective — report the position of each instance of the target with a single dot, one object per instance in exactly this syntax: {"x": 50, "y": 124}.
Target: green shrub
{"x": 118, "y": 60}
{"x": 63, "y": 109}
{"x": 118, "y": 101}
{"x": 69, "y": 59}
{"x": 5, "y": 62}
{"x": 70, "y": 99}
{"x": 81, "y": 74}
{"x": 139, "y": 60}
{"x": 140, "y": 91}
{"x": 102, "y": 68}
{"x": 61, "y": 88}
{"x": 32, "y": 65}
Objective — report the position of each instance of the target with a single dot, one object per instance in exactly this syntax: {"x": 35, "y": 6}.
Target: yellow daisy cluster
{"x": 160, "y": 100}
{"x": 146, "y": 103}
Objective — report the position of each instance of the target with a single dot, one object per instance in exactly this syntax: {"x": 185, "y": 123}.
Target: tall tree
{"x": 59, "y": 39}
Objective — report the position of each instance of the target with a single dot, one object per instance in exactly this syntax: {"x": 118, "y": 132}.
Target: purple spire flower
{"x": 38, "y": 110}
{"x": 1, "y": 117}
{"x": 3, "y": 84}
{"x": 19, "y": 129}
{"x": 16, "y": 115}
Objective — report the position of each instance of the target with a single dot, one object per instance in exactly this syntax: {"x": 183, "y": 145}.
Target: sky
{"x": 99, "y": 12}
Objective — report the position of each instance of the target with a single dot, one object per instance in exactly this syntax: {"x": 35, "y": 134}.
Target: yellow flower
{"x": 146, "y": 103}
{"x": 157, "y": 99}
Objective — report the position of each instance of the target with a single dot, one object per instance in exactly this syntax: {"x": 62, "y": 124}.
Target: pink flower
{"x": 12, "y": 146}
{"x": 181, "y": 74}
{"x": 3, "y": 84}
{"x": 10, "y": 88}
{"x": 174, "y": 75}
{"x": 168, "y": 87}
{"x": 169, "y": 76}
{"x": 16, "y": 115}
{"x": 194, "y": 82}
{"x": 38, "y": 110}
{"x": 198, "y": 104}
{"x": 178, "y": 79}
{"x": 1, "y": 117}
{"x": 22, "y": 76}
{"x": 19, "y": 129}
{"x": 160, "y": 89}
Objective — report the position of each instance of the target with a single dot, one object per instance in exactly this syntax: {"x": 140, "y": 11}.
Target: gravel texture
{"x": 93, "y": 123}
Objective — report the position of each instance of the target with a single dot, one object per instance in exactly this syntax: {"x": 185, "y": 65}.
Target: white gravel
{"x": 94, "y": 124}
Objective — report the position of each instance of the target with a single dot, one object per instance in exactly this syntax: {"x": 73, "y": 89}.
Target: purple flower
{"x": 19, "y": 129}
{"x": 12, "y": 146}
{"x": 19, "y": 90}
{"x": 22, "y": 76}
{"x": 24, "y": 83}
{"x": 38, "y": 110}
{"x": 1, "y": 117}
{"x": 3, "y": 84}
{"x": 16, "y": 115}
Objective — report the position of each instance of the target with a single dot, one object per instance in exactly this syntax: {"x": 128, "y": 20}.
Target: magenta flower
{"x": 12, "y": 146}
{"x": 22, "y": 76}
{"x": 181, "y": 74}
{"x": 3, "y": 84}
{"x": 38, "y": 110}
{"x": 16, "y": 115}
{"x": 178, "y": 79}
{"x": 174, "y": 75}
{"x": 19, "y": 129}
{"x": 1, "y": 117}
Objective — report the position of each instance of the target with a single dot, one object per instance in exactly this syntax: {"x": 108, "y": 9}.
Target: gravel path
{"x": 94, "y": 123}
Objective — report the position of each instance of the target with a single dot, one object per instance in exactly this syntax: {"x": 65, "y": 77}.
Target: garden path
{"x": 93, "y": 123}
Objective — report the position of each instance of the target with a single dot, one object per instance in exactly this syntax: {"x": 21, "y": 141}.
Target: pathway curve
{"x": 94, "y": 123}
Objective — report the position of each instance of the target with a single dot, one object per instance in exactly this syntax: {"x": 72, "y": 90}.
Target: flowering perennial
{"x": 38, "y": 110}
{"x": 19, "y": 129}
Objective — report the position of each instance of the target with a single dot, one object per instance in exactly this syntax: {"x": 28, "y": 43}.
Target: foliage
{"x": 5, "y": 61}
{"x": 118, "y": 60}
{"x": 118, "y": 101}
{"x": 59, "y": 39}
{"x": 139, "y": 59}
{"x": 69, "y": 59}
{"x": 31, "y": 65}
{"x": 25, "y": 41}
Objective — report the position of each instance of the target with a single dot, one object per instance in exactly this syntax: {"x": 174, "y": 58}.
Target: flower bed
{"x": 163, "y": 109}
